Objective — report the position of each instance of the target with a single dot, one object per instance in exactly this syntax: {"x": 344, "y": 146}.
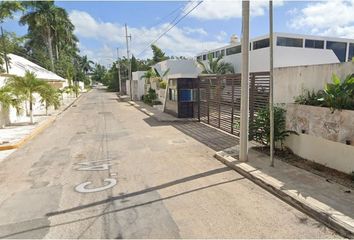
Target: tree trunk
{"x": 31, "y": 108}
{"x": 46, "y": 109}
{"x": 50, "y": 48}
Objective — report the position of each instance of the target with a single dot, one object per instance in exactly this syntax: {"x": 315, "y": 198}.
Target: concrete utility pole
{"x": 243, "y": 154}
{"x": 271, "y": 96}
{"x": 129, "y": 62}
{"x": 118, "y": 69}
{"x": 5, "y": 53}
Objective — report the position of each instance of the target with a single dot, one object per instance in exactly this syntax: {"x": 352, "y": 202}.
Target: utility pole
{"x": 271, "y": 82}
{"x": 243, "y": 154}
{"x": 129, "y": 63}
{"x": 119, "y": 79}
{"x": 5, "y": 54}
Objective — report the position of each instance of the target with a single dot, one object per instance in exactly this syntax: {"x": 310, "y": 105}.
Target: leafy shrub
{"x": 336, "y": 95}
{"x": 339, "y": 94}
{"x": 310, "y": 98}
{"x": 150, "y": 97}
{"x": 260, "y": 127}
{"x": 163, "y": 84}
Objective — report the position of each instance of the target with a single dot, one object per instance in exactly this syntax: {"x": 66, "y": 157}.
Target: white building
{"x": 289, "y": 50}
{"x": 18, "y": 67}
{"x": 138, "y": 85}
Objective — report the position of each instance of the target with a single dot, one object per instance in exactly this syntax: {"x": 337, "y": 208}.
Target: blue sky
{"x": 100, "y": 25}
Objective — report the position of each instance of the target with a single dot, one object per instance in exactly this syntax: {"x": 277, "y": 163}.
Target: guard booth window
{"x": 172, "y": 94}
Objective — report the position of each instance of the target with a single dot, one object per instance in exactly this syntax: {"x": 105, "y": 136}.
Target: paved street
{"x": 106, "y": 170}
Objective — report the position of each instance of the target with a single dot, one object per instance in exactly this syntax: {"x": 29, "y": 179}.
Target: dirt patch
{"x": 331, "y": 175}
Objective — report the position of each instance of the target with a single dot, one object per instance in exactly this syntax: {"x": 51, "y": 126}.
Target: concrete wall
{"x": 289, "y": 82}
{"x": 323, "y": 135}
{"x": 139, "y": 83}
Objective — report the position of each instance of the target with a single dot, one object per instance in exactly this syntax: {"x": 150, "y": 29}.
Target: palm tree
{"x": 9, "y": 98}
{"x": 27, "y": 86}
{"x": 40, "y": 23}
{"x": 216, "y": 66}
{"x": 86, "y": 64}
{"x": 50, "y": 97}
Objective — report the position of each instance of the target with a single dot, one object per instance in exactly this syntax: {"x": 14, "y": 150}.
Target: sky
{"x": 99, "y": 25}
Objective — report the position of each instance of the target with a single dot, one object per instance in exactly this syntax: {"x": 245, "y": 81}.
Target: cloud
{"x": 221, "y": 10}
{"x": 200, "y": 31}
{"x": 222, "y": 35}
{"x": 331, "y": 17}
{"x": 178, "y": 41}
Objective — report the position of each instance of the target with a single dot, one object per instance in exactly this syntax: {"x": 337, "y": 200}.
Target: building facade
{"x": 289, "y": 50}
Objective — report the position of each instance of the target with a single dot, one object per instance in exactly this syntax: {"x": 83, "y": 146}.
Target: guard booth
{"x": 182, "y": 97}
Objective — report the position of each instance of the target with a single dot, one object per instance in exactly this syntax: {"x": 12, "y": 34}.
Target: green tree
{"x": 9, "y": 98}
{"x": 8, "y": 8}
{"x": 217, "y": 66}
{"x": 158, "y": 54}
{"x": 85, "y": 64}
{"x": 99, "y": 73}
{"x": 50, "y": 97}
{"x": 27, "y": 86}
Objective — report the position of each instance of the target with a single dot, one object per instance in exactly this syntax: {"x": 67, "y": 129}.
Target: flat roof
{"x": 282, "y": 34}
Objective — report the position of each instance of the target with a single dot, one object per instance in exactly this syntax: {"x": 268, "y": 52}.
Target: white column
{"x": 243, "y": 155}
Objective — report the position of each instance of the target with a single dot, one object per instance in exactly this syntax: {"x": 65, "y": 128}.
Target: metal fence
{"x": 220, "y": 99}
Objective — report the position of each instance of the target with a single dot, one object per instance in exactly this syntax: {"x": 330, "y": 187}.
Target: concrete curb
{"x": 37, "y": 130}
{"x": 151, "y": 114}
{"x": 333, "y": 219}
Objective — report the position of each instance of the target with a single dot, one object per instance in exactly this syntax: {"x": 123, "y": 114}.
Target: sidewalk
{"x": 13, "y": 136}
{"x": 328, "y": 202}
{"x": 157, "y": 114}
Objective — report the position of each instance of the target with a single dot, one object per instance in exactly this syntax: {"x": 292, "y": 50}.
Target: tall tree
{"x": 85, "y": 64}
{"x": 217, "y": 66}
{"x": 158, "y": 54}
{"x": 27, "y": 86}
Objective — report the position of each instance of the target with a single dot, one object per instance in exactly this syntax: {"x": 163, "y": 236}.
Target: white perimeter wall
{"x": 283, "y": 57}
{"x": 289, "y": 82}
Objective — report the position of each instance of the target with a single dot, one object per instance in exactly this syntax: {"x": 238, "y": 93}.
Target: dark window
{"x": 204, "y": 57}
{"x": 339, "y": 48}
{"x": 351, "y": 52}
{"x": 261, "y": 44}
{"x": 217, "y": 54}
{"x": 314, "y": 43}
{"x": 289, "y": 42}
{"x": 172, "y": 93}
{"x": 233, "y": 50}
{"x": 199, "y": 58}
{"x": 222, "y": 52}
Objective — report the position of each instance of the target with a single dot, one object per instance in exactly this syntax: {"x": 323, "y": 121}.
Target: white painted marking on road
{"x": 81, "y": 188}
{"x": 94, "y": 167}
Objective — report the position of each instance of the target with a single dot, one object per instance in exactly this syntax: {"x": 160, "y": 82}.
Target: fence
{"x": 220, "y": 99}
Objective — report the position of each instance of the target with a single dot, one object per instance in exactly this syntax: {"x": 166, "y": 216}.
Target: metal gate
{"x": 220, "y": 99}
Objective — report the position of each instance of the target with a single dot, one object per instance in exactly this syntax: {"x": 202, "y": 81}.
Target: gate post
{"x": 198, "y": 98}
{"x": 251, "y": 101}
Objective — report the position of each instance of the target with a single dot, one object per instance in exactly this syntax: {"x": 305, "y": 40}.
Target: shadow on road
{"x": 133, "y": 194}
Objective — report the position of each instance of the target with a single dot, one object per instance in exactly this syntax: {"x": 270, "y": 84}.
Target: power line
{"x": 165, "y": 32}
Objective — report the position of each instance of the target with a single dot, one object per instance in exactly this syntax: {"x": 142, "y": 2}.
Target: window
{"x": 289, "y": 42}
{"x": 261, "y": 44}
{"x": 222, "y": 52}
{"x": 199, "y": 57}
{"x": 217, "y": 54}
{"x": 339, "y": 48}
{"x": 351, "y": 52}
{"x": 204, "y": 57}
{"x": 314, "y": 43}
{"x": 172, "y": 94}
{"x": 233, "y": 50}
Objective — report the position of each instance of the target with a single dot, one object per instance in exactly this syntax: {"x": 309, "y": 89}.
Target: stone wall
{"x": 324, "y": 137}
{"x": 321, "y": 122}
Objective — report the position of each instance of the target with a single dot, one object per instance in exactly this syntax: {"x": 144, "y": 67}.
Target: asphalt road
{"x": 106, "y": 170}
